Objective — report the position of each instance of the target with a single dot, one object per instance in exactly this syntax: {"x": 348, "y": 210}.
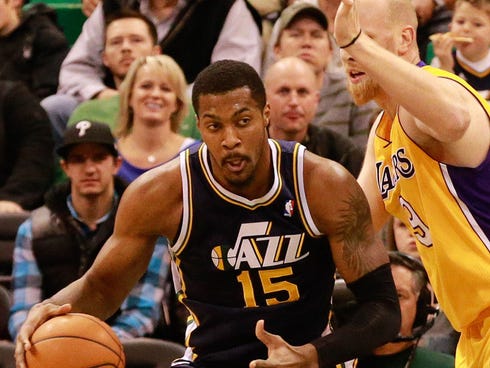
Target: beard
{"x": 364, "y": 91}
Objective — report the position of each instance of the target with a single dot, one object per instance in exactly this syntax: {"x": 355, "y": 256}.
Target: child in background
{"x": 465, "y": 50}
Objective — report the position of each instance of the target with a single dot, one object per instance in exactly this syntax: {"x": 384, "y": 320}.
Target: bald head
{"x": 281, "y": 68}
{"x": 292, "y": 92}
{"x": 392, "y": 24}
{"x": 391, "y": 12}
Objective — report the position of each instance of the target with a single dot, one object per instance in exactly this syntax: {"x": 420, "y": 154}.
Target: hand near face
{"x": 443, "y": 46}
{"x": 346, "y": 26}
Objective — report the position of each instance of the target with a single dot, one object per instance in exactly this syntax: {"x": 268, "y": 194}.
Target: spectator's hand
{"x": 38, "y": 314}
{"x": 443, "y": 45}
{"x": 10, "y": 207}
{"x": 107, "y": 93}
{"x": 88, "y": 6}
{"x": 281, "y": 354}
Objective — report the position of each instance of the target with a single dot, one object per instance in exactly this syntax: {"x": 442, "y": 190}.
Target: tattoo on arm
{"x": 353, "y": 231}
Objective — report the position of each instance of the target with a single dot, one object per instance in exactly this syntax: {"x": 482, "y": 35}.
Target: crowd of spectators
{"x": 113, "y": 76}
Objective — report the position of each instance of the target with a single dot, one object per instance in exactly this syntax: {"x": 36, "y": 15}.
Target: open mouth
{"x": 355, "y": 75}
{"x": 235, "y": 164}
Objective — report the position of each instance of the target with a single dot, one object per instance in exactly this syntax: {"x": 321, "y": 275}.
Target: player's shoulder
{"x": 324, "y": 178}
{"x": 164, "y": 180}
{"x": 317, "y": 167}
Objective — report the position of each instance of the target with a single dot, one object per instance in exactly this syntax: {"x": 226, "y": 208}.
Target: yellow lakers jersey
{"x": 447, "y": 209}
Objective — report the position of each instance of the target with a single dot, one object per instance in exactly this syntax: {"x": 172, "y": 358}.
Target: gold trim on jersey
{"x": 192, "y": 320}
{"x": 238, "y": 200}
{"x": 383, "y": 130}
{"x": 299, "y": 191}
{"x": 186, "y": 227}
{"x": 473, "y": 71}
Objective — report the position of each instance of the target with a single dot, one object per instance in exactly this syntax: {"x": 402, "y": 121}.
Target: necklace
{"x": 151, "y": 159}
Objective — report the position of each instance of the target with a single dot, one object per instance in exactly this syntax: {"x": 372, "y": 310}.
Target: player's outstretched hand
{"x": 38, "y": 314}
{"x": 281, "y": 354}
{"x": 346, "y": 25}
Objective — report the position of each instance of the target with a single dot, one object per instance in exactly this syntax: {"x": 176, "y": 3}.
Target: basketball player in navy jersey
{"x": 258, "y": 228}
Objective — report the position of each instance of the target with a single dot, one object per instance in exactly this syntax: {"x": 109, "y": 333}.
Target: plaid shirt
{"x": 140, "y": 311}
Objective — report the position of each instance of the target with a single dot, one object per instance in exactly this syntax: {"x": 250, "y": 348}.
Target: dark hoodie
{"x": 33, "y": 52}
{"x": 26, "y": 146}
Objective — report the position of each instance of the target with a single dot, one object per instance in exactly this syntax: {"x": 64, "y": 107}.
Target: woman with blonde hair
{"x": 152, "y": 107}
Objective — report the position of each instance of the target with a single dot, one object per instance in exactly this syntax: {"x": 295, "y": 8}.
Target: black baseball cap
{"x": 86, "y": 131}
{"x": 303, "y": 8}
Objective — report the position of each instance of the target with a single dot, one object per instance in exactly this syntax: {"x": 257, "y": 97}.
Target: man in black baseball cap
{"x": 87, "y": 132}
{"x": 63, "y": 238}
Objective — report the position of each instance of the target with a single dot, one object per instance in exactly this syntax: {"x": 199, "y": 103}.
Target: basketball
{"x": 75, "y": 340}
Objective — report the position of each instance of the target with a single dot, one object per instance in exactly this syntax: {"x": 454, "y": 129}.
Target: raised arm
{"x": 439, "y": 114}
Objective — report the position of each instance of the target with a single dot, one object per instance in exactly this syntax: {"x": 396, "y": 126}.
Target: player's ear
{"x": 117, "y": 164}
{"x": 266, "y": 114}
{"x": 105, "y": 60}
{"x": 64, "y": 166}
{"x": 407, "y": 37}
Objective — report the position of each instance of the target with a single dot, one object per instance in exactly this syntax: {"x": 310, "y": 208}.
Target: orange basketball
{"x": 75, "y": 340}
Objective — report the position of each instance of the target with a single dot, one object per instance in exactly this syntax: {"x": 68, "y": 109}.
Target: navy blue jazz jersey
{"x": 242, "y": 260}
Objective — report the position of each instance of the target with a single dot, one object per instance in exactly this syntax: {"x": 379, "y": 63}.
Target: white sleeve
{"x": 435, "y": 62}
{"x": 81, "y": 74}
{"x": 240, "y": 38}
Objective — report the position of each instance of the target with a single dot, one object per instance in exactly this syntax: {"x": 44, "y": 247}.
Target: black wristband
{"x": 375, "y": 321}
{"x": 352, "y": 41}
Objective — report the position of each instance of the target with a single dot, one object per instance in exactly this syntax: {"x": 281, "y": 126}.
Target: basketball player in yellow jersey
{"x": 427, "y": 160}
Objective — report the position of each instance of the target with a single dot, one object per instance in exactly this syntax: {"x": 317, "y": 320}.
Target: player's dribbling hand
{"x": 281, "y": 354}
{"x": 38, "y": 314}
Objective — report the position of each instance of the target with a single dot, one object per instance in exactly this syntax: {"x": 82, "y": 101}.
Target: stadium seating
{"x": 8, "y": 230}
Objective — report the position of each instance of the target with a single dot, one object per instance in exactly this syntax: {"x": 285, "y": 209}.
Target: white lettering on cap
{"x": 82, "y": 126}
